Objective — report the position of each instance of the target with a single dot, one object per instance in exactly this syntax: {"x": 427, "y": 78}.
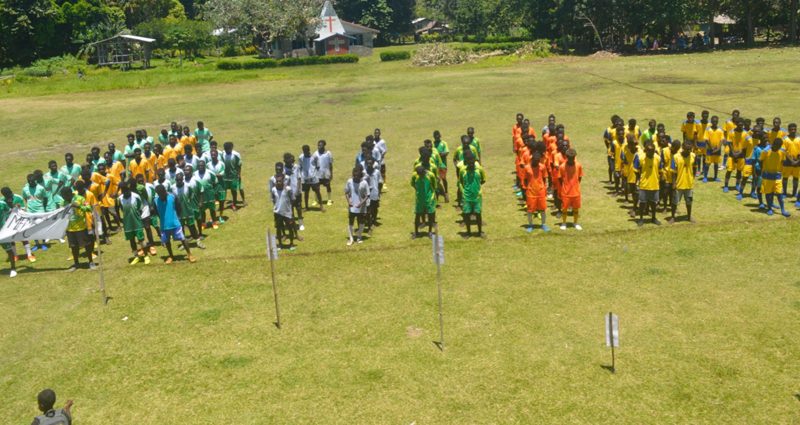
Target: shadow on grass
{"x": 609, "y": 368}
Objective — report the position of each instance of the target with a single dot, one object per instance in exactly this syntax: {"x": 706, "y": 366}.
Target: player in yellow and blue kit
{"x": 772, "y": 167}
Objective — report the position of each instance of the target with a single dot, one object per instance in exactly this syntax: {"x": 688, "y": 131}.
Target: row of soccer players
{"x": 429, "y": 180}
{"x": 100, "y": 185}
{"x": 296, "y": 178}
{"x": 546, "y": 170}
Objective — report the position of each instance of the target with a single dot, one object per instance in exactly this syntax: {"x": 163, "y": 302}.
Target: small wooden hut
{"x": 124, "y": 50}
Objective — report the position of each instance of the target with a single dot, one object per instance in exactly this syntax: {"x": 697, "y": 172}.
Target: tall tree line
{"x": 33, "y": 29}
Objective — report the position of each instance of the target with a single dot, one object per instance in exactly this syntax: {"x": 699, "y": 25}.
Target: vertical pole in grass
{"x": 272, "y": 255}
{"x": 438, "y": 259}
{"x": 98, "y": 231}
{"x": 612, "y": 336}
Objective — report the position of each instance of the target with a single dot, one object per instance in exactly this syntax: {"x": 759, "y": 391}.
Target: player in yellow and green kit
{"x": 648, "y": 168}
{"x": 443, "y": 150}
{"x": 424, "y": 183}
{"x": 472, "y": 178}
{"x": 749, "y": 162}
{"x": 132, "y": 207}
{"x": 77, "y": 229}
{"x": 7, "y": 204}
{"x": 714, "y": 138}
{"x": 771, "y": 170}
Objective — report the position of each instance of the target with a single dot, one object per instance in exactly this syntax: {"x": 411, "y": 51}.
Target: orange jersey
{"x": 518, "y": 145}
{"x": 189, "y": 140}
{"x": 173, "y": 153}
{"x": 571, "y": 179}
{"x": 516, "y": 131}
{"x": 145, "y": 168}
{"x": 534, "y": 180}
{"x": 558, "y": 159}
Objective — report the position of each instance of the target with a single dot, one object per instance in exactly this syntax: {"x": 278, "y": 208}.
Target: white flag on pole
{"x": 612, "y": 330}
{"x": 438, "y": 249}
{"x": 272, "y": 247}
{"x": 25, "y": 226}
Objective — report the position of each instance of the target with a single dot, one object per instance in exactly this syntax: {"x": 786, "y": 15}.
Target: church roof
{"x": 331, "y": 25}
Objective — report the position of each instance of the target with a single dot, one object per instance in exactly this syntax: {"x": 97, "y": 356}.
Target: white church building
{"x": 332, "y": 36}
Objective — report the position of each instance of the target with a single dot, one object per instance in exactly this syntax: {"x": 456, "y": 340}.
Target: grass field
{"x": 708, "y": 311}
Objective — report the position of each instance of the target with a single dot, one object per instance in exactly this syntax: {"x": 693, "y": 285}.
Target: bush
{"x": 536, "y": 49}
{"x": 491, "y": 47}
{"x": 37, "y": 71}
{"x": 230, "y": 51}
{"x": 259, "y": 64}
{"x": 438, "y": 54}
{"x": 395, "y": 56}
{"x": 227, "y": 65}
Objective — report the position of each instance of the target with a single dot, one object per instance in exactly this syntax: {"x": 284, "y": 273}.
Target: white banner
{"x": 24, "y": 226}
{"x": 612, "y": 330}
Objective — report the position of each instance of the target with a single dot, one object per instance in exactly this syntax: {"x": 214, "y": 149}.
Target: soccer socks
{"x": 28, "y": 249}
{"x": 770, "y": 199}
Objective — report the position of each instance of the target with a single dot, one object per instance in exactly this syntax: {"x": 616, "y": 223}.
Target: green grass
{"x": 709, "y": 333}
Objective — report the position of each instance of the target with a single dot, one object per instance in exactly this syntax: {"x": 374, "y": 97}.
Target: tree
{"x": 266, "y": 20}
{"x": 28, "y": 31}
{"x": 371, "y": 13}
{"x": 86, "y": 21}
{"x": 138, "y": 11}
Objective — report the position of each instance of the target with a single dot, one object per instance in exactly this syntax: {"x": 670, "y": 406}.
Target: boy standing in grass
{"x": 203, "y": 137}
{"x": 571, "y": 174}
{"x": 233, "y": 173}
{"x": 35, "y": 198}
{"x": 70, "y": 169}
{"x": 476, "y": 143}
{"x": 132, "y": 211}
{"x": 185, "y": 199}
{"x": 324, "y": 163}
{"x": 424, "y": 183}
{"x": 77, "y": 229}
{"x": 373, "y": 178}
{"x": 737, "y": 138}
{"x": 772, "y": 167}
{"x": 169, "y": 211}
{"x": 356, "y": 192}
{"x": 682, "y": 176}
{"x": 714, "y": 138}
{"x": 535, "y": 186}
{"x": 749, "y": 161}
{"x": 380, "y": 144}
{"x": 472, "y": 178}
{"x": 791, "y": 167}
{"x": 443, "y": 150}
{"x": 648, "y": 168}
{"x": 207, "y": 183}
{"x": 310, "y": 181}
{"x": 293, "y": 180}
{"x": 282, "y": 211}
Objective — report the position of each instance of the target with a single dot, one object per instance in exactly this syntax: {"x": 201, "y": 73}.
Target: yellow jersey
{"x": 776, "y": 134}
{"x": 728, "y": 129}
{"x": 792, "y": 146}
{"x": 714, "y": 139}
{"x": 739, "y": 140}
{"x": 650, "y": 170}
{"x": 666, "y": 155}
{"x": 690, "y": 129}
{"x": 683, "y": 171}
{"x": 772, "y": 164}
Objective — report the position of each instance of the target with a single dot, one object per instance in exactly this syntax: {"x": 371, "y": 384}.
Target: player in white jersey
{"x": 324, "y": 165}
{"x": 309, "y": 179}
{"x": 282, "y": 211}
{"x": 356, "y": 191}
{"x": 380, "y": 144}
{"x": 294, "y": 181}
{"x": 373, "y": 177}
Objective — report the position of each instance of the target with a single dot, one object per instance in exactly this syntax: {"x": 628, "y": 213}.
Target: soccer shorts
{"x": 646, "y": 196}
{"x": 472, "y": 207}
{"x": 208, "y": 206}
{"x": 747, "y": 170}
{"x": 232, "y": 184}
{"x": 425, "y": 208}
{"x": 353, "y": 217}
{"x": 138, "y": 234}
{"x": 679, "y": 194}
{"x": 78, "y": 239}
{"x": 325, "y": 182}
{"x": 443, "y": 173}
{"x": 536, "y": 203}
{"x": 220, "y": 193}
{"x": 713, "y": 159}
{"x": 171, "y": 234}
{"x": 735, "y": 164}
{"x": 789, "y": 171}
{"x": 188, "y": 221}
{"x": 770, "y": 186}
{"x": 572, "y": 202}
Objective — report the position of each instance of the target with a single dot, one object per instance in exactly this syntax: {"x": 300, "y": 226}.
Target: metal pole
{"x": 611, "y": 336}
{"x": 274, "y": 285}
{"x": 100, "y": 262}
{"x": 439, "y": 285}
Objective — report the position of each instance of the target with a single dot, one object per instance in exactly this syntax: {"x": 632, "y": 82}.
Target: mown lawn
{"x": 708, "y": 311}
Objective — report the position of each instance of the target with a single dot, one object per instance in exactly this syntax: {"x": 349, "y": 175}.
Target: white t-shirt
{"x": 282, "y": 201}
{"x": 308, "y": 170}
{"x": 293, "y": 179}
{"x": 324, "y": 164}
{"x": 357, "y": 192}
{"x": 373, "y": 181}
{"x": 381, "y": 146}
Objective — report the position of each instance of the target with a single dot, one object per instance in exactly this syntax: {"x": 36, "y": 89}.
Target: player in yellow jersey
{"x": 682, "y": 174}
{"x": 735, "y": 162}
{"x": 608, "y": 139}
{"x": 628, "y": 157}
{"x": 791, "y": 166}
{"x": 749, "y": 161}
{"x": 669, "y": 149}
{"x": 690, "y": 130}
{"x": 714, "y": 138}
{"x": 776, "y": 132}
{"x": 772, "y": 167}
{"x": 701, "y": 145}
{"x": 728, "y": 128}
{"x": 648, "y": 168}
{"x": 617, "y": 147}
